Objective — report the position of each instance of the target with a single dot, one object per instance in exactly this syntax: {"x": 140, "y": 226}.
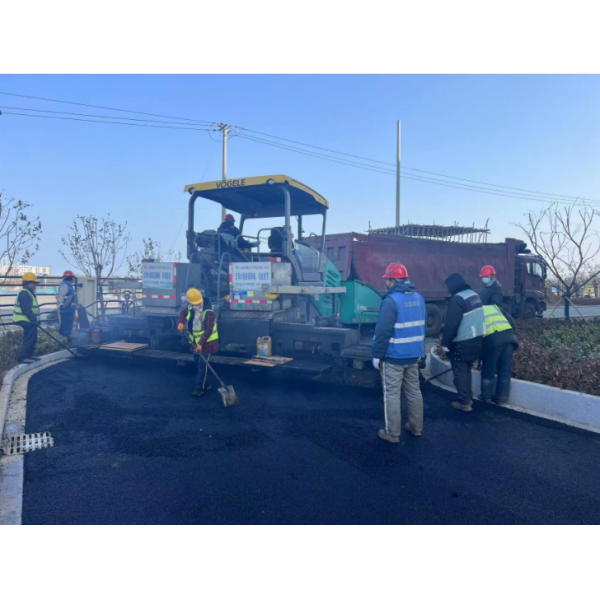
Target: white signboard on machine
{"x": 158, "y": 275}
{"x": 250, "y": 277}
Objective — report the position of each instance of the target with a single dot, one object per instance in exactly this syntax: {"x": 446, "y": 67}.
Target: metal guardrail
{"x": 110, "y": 286}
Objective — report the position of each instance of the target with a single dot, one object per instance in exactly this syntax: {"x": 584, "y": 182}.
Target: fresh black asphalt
{"x": 133, "y": 446}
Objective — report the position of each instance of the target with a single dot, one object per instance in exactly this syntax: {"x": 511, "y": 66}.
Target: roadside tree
{"x": 567, "y": 239}
{"x": 96, "y": 247}
{"x": 151, "y": 250}
{"x": 19, "y": 233}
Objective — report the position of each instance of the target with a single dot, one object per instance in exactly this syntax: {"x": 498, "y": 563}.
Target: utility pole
{"x": 398, "y": 178}
{"x": 224, "y": 130}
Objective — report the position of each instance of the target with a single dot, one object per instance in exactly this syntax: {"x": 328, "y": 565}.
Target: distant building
{"x": 22, "y": 269}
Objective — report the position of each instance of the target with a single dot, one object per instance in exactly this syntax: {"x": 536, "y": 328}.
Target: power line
{"x": 500, "y": 188}
{"x": 62, "y": 112}
{"x": 430, "y": 180}
{"x": 139, "y": 112}
{"x": 104, "y": 122}
{"x": 316, "y": 155}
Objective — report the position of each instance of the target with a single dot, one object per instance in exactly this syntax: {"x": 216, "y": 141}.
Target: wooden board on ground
{"x": 123, "y": 346}
{"x": 260, "y": 363}
{"x": 278, "y": 360}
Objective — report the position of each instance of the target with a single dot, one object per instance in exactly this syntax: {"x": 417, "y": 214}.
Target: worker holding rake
{"x": 201, "y": 328}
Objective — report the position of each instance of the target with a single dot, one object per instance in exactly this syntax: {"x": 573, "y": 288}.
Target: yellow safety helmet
{"x": 30, "y": 278}
{"x": 194, "y": 296}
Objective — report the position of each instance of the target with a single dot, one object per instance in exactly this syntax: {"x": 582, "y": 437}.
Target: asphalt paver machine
{"x": 271, "y": 284}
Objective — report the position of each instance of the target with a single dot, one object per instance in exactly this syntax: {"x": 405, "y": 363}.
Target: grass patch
{"x": 10, "y": 344}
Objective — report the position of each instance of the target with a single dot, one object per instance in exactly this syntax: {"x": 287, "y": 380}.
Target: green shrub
{"x": 10, "y": 344}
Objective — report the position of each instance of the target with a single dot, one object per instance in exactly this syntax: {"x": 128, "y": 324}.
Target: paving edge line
{"x": 15, "y": 373}
{"x": 563, "y": 406}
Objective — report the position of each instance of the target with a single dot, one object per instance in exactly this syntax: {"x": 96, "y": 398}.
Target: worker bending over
{"x": 462, "y": 337}
{"x": 201, "y": 328}
{"x": 492, "y": 291}
{"x": 398, "y": 344}
{"x": 67, "y": 303}
{"x": 499, "y": 343}
{"x": 26, "y": 314}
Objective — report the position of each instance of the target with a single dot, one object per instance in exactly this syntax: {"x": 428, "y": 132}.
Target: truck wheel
{"x": 434, "y": 320}
{"x": 529, "y": 311}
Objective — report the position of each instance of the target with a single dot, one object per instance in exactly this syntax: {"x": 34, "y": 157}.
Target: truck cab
{"x": 530, "y": 286}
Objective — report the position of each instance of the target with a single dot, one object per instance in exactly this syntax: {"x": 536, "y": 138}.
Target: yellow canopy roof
{"x": 260, "y": 197}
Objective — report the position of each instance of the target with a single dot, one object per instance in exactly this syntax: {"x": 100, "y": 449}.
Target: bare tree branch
{"x": 568, "y": 243}
{"x": 96, "y": 247}
{"x": 19, "y": 233}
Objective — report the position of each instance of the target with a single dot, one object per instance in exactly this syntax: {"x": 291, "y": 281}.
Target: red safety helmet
{"x": 487, "y": 271}
{"x": 68, "y": 274}
{"x": 229, "y": 218}
{"x": 396, "y": 271}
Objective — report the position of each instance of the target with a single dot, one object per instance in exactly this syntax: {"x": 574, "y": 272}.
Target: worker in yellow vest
{"x": 26, "y": 314}
{"x": 202, "y": 331}
{"x": 499, "y": 343}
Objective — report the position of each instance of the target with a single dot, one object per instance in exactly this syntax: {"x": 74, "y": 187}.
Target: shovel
{"x": 227, "y": 392}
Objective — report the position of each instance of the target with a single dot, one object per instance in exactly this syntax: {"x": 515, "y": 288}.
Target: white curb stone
{"x": 16, "y": 372}
{"x": 565, "y": 406}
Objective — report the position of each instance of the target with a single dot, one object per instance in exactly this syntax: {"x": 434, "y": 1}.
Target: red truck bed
{"x": 429, "y": 262}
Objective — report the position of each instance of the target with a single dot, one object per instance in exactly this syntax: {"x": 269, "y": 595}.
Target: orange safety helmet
{"x": 487, "y": 271}
{"x": 396, "y": 271}
{"x": 68, "y": 274}
{"x": 229, "y": 218}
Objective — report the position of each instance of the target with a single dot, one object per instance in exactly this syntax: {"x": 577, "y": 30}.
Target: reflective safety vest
{"x": 473, "y": 321}
{"x": 198, "y": 327}
{"x": 494, "y": 320}
{"x": 409, "y": 330}
{"x": 70, "y": 292}
{"x": 18, "y": 316}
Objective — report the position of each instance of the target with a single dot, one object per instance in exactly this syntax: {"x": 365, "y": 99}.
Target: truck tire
{"x": 434, "y": 320}
{"x": 529, "y": 311}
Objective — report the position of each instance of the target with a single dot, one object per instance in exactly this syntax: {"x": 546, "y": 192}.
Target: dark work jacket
{"x": 492, "y": 294}
{"x": 467, "y": 350}
{"x": 228, "y": 228}
{"x": 388, "y": 316}
{"x": 500, "y": 338}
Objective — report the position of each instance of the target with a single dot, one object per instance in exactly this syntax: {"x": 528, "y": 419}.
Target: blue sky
{"x": 535, "y": 132}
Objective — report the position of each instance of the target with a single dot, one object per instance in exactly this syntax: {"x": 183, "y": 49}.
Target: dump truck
{"x": 362, "y": 259}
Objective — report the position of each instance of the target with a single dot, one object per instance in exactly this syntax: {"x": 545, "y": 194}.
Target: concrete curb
{"x": 15, "y": 373}
{"x": 564, "y": 406}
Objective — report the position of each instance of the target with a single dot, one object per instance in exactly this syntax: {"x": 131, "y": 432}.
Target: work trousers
{"x": 29, "y": 341}
{"x": 203, "y": 370}
{"x": 395, "y": 380}
{"x": 463, "y": 380}
{"x": 497, "y": 363}
{"x": 67, "y": 318}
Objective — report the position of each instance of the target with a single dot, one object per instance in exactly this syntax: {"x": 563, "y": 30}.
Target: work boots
{"x": 384, "y": 435}
{"x": 463, "y": 407}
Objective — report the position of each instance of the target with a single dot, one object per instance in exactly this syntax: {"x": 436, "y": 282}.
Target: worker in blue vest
{"x": 26, "y": 314}
{"x": 398, "y": 345}
{"x": 499, "y": 343}
{"x": 67, "y": 303}
{"x": 462, "y": 337}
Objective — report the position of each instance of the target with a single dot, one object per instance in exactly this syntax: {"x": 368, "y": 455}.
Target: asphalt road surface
{"x": 133, "y": 446}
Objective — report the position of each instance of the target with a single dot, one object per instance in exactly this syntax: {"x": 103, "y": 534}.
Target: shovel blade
{"x": 228, "y": 396}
